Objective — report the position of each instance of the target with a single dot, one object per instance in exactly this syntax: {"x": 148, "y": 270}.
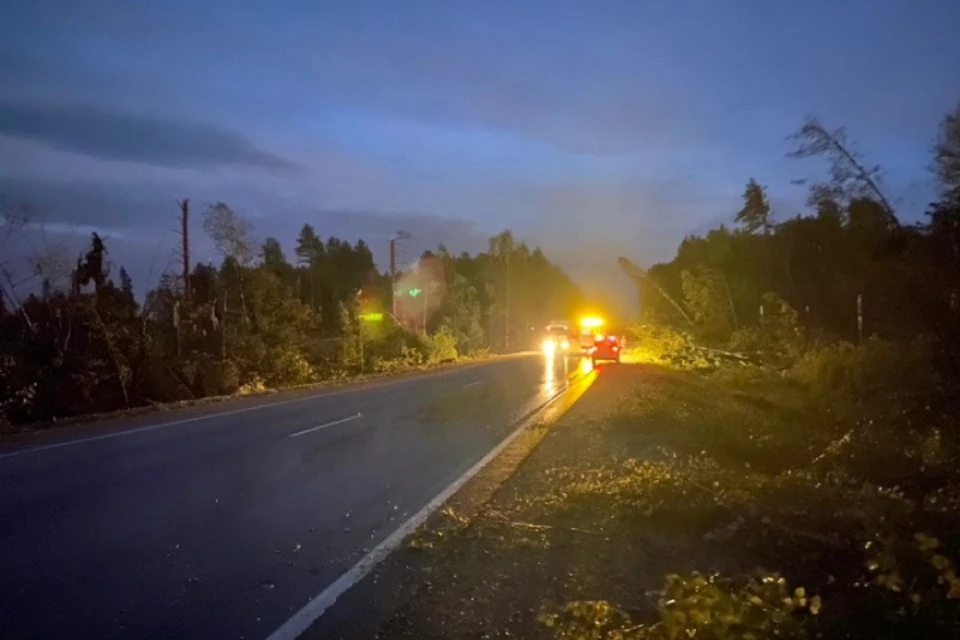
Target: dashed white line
{"x": 211, "y": 416}
{"x": 325, "y": 425}
{"x": 472, "y": 384}
{"x": 305, "y": 617}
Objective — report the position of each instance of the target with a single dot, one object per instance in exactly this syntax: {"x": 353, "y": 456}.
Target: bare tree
{"x": 850, "y": 177}
{"x": 231, "y": 235}
{"x": 230, "y": 232}
{"x": 21, "y": 226}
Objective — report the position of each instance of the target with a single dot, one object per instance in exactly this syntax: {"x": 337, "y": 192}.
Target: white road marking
{"x": 175, "y": 423}
{"x": 301, "y": 620}
{"x": 472, "y": 384}
{"x": 324, "y": 426}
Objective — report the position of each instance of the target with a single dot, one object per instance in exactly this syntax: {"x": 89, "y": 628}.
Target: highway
{"x": 223, "y": 521}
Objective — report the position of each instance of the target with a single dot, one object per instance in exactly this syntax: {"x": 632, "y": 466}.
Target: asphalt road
{"x": 223, "y": 522}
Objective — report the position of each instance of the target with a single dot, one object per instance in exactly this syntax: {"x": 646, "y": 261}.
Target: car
{"x": 557, "y": 339}
{"x": 596, "y": 342}
{"x": 606, "y": 348}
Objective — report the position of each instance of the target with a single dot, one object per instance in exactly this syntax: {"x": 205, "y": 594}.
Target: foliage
{"x": 698, "y": 606}
{"x": 947, "y": 155}
{"x": 867, "y": 371}
{"x": 443, "y": 346}
{"x": 855, "y": 495}
{"x": 847, "y": 269}
{"x": 755, "y": 214}
{"x": 707, "y": 295}
{"x": 254, "y": 323}
{"x": 660, "y": 344}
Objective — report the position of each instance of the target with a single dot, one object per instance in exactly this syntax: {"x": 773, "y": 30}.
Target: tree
{"x": 707, "y": 295}
{"x": 850, "y": 177}
{"x": 461, "y": 315}
{"x": 309, "y": 247}
{"x": 755, "y": 214}
{"x": 825, "y": 201}
{"x": 272, "y": 253}
{"x": 230, "y": 232}
{"x": 93, "y": 265}
{"x": 126, "y": 283}
{"x": 947, "y": 156}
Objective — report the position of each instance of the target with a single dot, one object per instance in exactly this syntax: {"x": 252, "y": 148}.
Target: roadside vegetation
{"x": 808, "y": 457}
{"x": 781, "y": 466}
{"x": 76, "y": 340}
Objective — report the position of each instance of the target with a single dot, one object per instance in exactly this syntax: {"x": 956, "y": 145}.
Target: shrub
{"x": 285, "y": 366}
{"x": 698, "y": 606}
{"x": 659, "y": 344}
{"x": 866, "y": 371}
{"x": 442, "y": 346}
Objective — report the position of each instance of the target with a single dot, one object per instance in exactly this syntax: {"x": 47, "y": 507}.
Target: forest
{"x": 260, "y": 320}
{"x": 793, "y": 471}
{"x": 849, "y": 270}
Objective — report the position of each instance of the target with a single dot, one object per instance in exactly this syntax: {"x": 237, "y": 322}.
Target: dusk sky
{"x": 593, "y": 129}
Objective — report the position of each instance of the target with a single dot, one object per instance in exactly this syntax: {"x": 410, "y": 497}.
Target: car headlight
{"x": 549, "y": 346}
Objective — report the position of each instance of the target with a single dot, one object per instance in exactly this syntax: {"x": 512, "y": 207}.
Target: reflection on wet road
{"x": 223, "y": 524}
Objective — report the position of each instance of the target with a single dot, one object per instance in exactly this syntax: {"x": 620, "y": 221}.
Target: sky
{"x": 593, "y": 129}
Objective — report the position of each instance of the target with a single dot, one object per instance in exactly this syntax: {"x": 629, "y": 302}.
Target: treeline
{"x": 848, "y": 269}
{"x": 258, "y": 320}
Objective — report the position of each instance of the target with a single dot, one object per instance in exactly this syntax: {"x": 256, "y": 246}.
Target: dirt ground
{"x": 493, "y": 575}
{"x": 665, "y": 503}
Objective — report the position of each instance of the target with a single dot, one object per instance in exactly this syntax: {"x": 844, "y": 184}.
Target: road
{"x": 223, "y": 522}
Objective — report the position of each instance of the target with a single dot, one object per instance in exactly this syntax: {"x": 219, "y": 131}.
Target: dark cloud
{"x": 116, "y": 135}
{"x": 140, "y": 216}
{"x": 104, "y": 206}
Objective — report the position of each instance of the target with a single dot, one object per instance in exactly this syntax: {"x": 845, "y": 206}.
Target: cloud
{"x": 143, "y": 220}
{"x": 115, "y": 135}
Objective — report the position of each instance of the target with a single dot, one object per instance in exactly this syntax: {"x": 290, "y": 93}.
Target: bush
{"x": 285, "y": 366}
{"x": 874, "y": 368}
{"x": 214, "y": 377}
{"x": 659, "y": 344}
{"x": 698, "y": 606}
{"x": 442, "y": 346}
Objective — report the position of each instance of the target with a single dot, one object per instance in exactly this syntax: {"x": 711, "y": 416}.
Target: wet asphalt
{"x": 221, "y": 522}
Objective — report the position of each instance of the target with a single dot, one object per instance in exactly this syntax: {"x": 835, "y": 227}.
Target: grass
{"x": 731, "y": 505}
{"x": 753, "y": 470}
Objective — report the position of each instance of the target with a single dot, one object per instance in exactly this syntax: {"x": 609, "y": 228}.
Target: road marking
{"x": 472, "y": 384}
{"x": 311, "y": 612}
{"x": 324, "y": 426}
{"x": 176, "y": 423}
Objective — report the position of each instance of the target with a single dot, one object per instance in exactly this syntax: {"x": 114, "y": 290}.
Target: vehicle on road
{"x": 597, "y": 342}
{"x": 606, "y": 348}
{"x": 557, "y": 340}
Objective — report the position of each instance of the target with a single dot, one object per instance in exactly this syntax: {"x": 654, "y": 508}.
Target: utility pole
{"x": 360, "y": 324}
{"x": 401, "y": 235}
{"x": 393, "y": 275}
{"x": 506, "y": 336}
{"x": 426, "y": 294}
{"x": 859, "y": 318}
{"x": 185, "y": 245}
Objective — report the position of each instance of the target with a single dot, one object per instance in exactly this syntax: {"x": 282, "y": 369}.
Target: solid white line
{"x": 324, "y": 426}
{"x": 471, "y": 384}
{"x": 175, "y": 423}
{"x": 301, "y": 620}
